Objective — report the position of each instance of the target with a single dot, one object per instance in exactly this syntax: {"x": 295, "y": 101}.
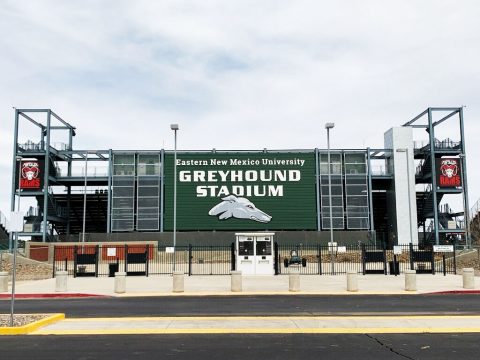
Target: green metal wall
{"x": 291, "y": 201}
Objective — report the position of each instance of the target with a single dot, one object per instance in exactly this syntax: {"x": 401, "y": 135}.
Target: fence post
{"x": 232, "y": 256}
{"x": 433, "y": 262}
{"x": 126, "y": 257}
{"x": 444, "y": 265}
{"x": 395, "y": 265}
{"x": 75, "y": 251}
{"x": 454, "y": 259}
{"x": 54, "y": 257}
{"x": 146, "y": 259}
{"x": 410, "y": 246}
{"x": 384, "y": 259}
{"x": 364, "y": 263}
{"x": 189, "y": 259}
{"x": 275, "y": 258}
{"x": 320, "y": 259}
{"x": 96, "y": 260}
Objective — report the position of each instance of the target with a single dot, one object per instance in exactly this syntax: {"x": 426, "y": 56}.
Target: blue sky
{"x": 237, "y": 74}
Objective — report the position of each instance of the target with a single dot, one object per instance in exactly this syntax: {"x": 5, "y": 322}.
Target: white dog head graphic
{"x": 240, "y": 208}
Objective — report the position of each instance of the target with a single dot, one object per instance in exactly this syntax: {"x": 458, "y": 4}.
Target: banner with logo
{"x": 448, "y": 172}
{"x": 31, "y": 175}
{"x": 242, "y": 191}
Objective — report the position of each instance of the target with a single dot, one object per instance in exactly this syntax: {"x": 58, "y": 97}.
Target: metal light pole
{"x": 85, "y": 197}
{"x": 174, "y": 127}
{"x": 405, "y": 150}
{"x": 329, "y": 126}
{"x": 15, "y": 246}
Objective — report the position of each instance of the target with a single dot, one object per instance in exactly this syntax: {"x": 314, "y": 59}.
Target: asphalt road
{"x": 454, "y": 304}
{"x": 231, "y": 347}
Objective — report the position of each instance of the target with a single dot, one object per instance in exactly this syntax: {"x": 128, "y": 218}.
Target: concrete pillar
{"x": 120, "y": 285}
{"x": 4, "y": 281}
{"x": 352, "y": 280}
{"x": 294, "y": 278}
{"x": 468, "y": 278}
{"x": 61, "y": 281}
{"x": 410, "y": 280}
{"x": 236, "y": 281}
{"x": 178, "y": 281}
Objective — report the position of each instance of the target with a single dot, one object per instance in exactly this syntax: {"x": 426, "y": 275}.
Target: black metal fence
{"x": 145, "y": 259}
{"x": 365, "y": 259}
{"x": 148, "y": 259}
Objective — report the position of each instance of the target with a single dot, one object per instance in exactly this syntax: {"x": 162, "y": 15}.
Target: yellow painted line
{"x": 26, "y": 329}
{"x": 372, "y": 330}
{"x": 270, "y": 318}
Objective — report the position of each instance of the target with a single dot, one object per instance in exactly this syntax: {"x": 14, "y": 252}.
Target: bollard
{"x": 236, "y": 281}
{"x": 352, "y": 280}
{"x": 294, "y": 278}
{"x": 61, "y": 281}
{"x": 3, "y": 281}
{"x": 410, "y": 280}
{"x": 120, "y": 285}
{"x": 178, "y": 281}
{"x": 468, "y": 278}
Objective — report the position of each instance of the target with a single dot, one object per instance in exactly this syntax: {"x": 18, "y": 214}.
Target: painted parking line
{"x": 265, "y": 325}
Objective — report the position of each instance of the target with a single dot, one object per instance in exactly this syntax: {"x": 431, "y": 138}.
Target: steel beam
{"x": 445, "y": 118}
{"x": 162, "y": 191}
{"x": 14, "y": 171}
{"x": 465, "y": 183}
{"x": 434, "y": 175}
{"x": 317, "y": 185}
{"x": 370, "y": 196}
{"x": 109, "y": 193}
{"x": 416, "y": 117}
{"x": 46, "y": 179}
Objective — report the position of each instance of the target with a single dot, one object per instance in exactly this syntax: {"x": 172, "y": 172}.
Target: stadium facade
{"x": 396, "y": 195}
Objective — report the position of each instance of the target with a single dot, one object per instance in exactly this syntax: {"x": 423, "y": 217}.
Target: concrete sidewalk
{"x": 262, "y": 325}
{"x": 257, "y": 285}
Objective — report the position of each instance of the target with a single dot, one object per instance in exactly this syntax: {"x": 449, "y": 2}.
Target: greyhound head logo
{"x": 239, "y": 208}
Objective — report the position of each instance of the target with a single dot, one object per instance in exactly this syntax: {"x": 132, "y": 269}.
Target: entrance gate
{"x": 254, "y": 253}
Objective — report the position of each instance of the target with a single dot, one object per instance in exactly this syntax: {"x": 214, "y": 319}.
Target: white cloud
{"x": 238, "y": 74}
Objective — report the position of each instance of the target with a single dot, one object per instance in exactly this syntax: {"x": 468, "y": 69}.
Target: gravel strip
{"x": 28, "y": 271}
{"x": 20, "y": 319}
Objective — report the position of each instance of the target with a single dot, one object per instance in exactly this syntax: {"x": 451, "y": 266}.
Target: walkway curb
{"x": 26, "y": 329}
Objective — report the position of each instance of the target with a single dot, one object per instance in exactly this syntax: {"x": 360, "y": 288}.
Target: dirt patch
{"x": 36, "y": 271}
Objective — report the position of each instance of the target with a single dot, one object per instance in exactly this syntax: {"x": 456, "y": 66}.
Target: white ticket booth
{"x": 254, "y": 253}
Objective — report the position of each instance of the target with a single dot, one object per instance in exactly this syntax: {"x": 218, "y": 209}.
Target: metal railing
{"x": 337, "y": 260}
{"x": 142, "y": 259}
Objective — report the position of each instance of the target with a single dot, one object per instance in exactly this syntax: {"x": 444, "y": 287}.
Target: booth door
{"x": 246, "y": 255}
{"x": 264, "y": 255}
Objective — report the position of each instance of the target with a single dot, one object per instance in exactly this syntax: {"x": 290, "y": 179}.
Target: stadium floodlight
{"x": 329, "y": 126}
{"x": 175, "y": 128}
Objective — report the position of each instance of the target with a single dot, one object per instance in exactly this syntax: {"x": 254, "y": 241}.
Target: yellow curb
{"x": 25, "y": 329}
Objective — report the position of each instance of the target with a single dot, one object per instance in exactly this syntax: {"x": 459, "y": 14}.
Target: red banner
{"x": 449, "y": 172}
